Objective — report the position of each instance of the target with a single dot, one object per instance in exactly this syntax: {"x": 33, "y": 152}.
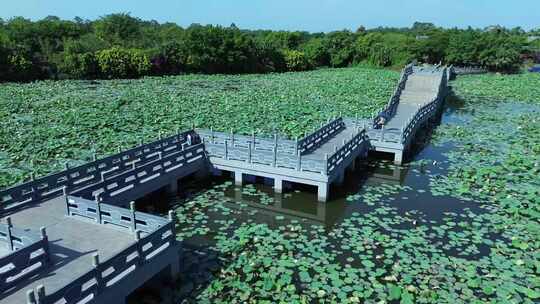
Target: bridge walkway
{"x": 336, "y": 141}
{"x": 418, "y": 98}
{"x": 72, "y": 243}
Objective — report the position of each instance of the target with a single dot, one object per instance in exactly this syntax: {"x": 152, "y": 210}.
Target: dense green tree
{"x": 432, "y": 47}
{"x": 120, "y": 45}
{"x": 119, "y": 29}
{"x": 316, "y": 52}
{"x": 122, "y": 63}
{"x": 383, "y": 49}
{"x": 341, "y": 48}
{"x": 295, "y": 60}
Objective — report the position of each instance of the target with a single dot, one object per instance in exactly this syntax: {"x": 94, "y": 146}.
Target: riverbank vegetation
{"x": 122, "y": 46}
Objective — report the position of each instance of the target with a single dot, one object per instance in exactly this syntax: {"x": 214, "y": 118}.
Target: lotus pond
{"x": 460, "y": 223}
{"x": 46, "y": 124}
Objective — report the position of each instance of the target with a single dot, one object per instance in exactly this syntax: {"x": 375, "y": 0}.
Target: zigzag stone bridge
{"x": 75, "y": 236}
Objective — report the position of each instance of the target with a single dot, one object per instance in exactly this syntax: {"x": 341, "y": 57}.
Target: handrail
{"x": 138, "y": 176}
{"x": 319, "y": 137}
{"x": 104, "y": 275}
{"x": 29, "y": 255}
{"x": 393, "y": 103}
{"x": 338, "y": 158}
{"x": 51, "y": 186}
{"x": 273, "y": 158}
{"x": 109, "y": 214}
{"x": 257, "y": 142}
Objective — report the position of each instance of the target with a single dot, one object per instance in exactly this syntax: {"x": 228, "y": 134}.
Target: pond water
{"x": 389, "y": 233}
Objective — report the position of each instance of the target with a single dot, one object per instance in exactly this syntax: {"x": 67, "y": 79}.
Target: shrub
{"x": 295, "y": 60}
{"x": 122, "y": 63}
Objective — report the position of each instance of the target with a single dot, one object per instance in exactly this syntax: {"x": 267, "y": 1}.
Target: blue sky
{"x": 310, "y": 15}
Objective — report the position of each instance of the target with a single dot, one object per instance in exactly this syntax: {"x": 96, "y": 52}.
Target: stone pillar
{"x": 321, "y": 211}
{"x": 278, "y": 200}
{"x": 238, "y": 196}
{"x": 322, "y": 192}
{"x": 238, "y": 180}
{"x": 398, "y": 158}
{"x": 278, "y": 185}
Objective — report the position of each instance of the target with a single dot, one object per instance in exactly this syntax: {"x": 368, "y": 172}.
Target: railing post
{"x": 40, "y": 292}
{"x": 275, "y": 155}
{"x": 139, "y": 247}
{"x": 45, "y": 240}
{"x": 211, "y": 135}
{"x": 133, "y": 220}
{"x": 99, "y": 275}
{"x": 172, "y": 218}
{"x": 94, "y": 157}
{"x": 325, "y": 170}
{"x": 249, "y": 153}
{"x": 66, "y": 165}
{"x": 295, "y": 144}
{"x": 226, "y": 149}
{"x": 382, "y": 133}
{"x": 9, "y": 238}
{"x": 98, "y": 208}
{"x": 299, "y": 165}
{"x": 66, "y": 199}
{"x": 30, "y": 297}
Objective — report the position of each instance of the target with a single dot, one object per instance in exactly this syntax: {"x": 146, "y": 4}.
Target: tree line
{"x": 122, "y": 46}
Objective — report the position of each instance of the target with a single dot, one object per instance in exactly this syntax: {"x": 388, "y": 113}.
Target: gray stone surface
{"x": 72, "y": 243}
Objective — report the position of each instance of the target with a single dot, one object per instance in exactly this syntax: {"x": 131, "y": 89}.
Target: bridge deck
{"x": 329, "y": 147}
{"x": 72, "y": 242}
{"x": 418, "y": 97}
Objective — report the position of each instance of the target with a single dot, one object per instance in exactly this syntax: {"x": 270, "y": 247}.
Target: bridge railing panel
{"x": 114, "y": 215}
{"x": 29, "y": 255}
{"x": 259, "y": 143}
{"x": 159, "y": 235}
{"x": 393, "y": 103}
{"x": 139, "y": 176}
{"x": 263, "y": 157}
{"x": 319, "y": 137}
{"x": 342, "y": 156}
{"x": 51, "y": 186}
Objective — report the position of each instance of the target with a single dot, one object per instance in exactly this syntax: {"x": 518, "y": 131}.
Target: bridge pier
{"x": 278, "y": 185}
{"x": 322, "y": 192}
{"x": 238, "y": 178}
{"x": 398, "y": 158}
